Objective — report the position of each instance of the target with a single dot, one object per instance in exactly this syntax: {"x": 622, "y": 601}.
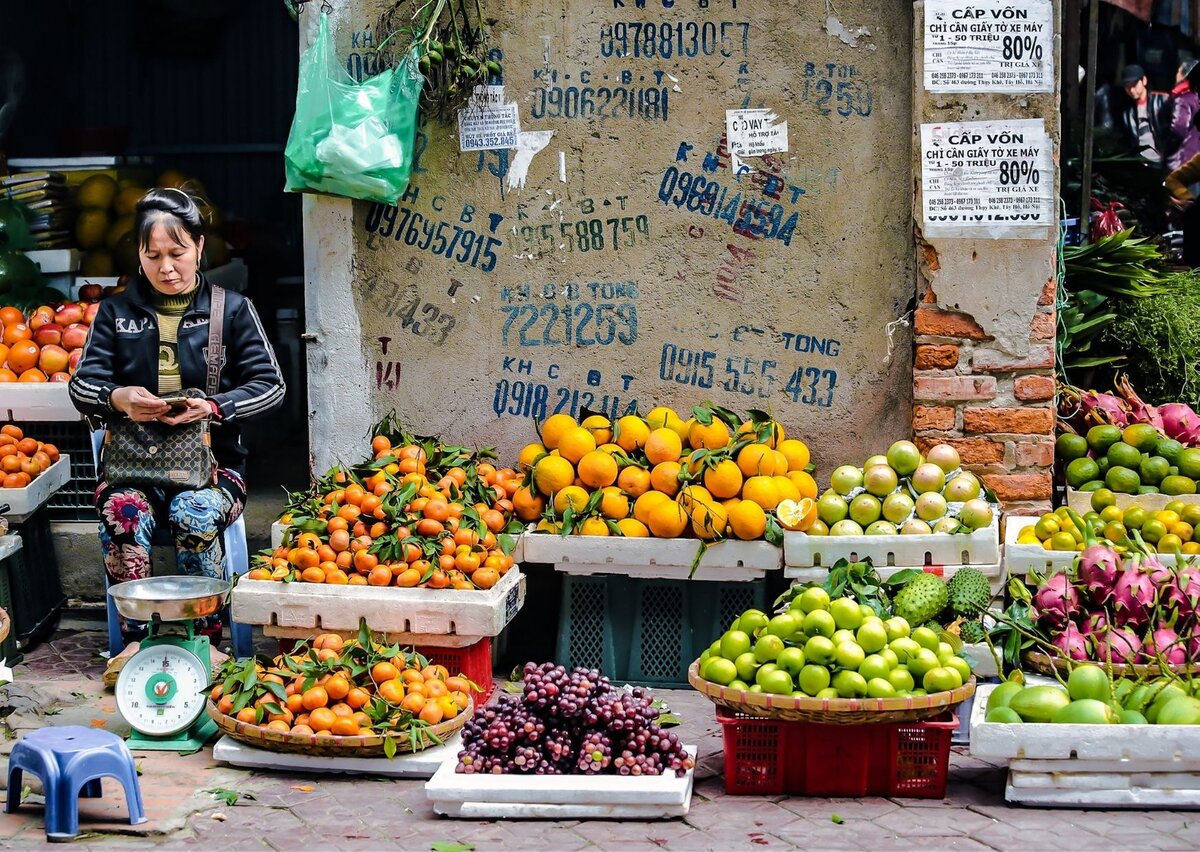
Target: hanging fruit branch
{"x": 450, "y": 41}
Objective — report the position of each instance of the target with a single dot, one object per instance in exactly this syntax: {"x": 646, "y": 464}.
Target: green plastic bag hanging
{"x": 348, "y": 138}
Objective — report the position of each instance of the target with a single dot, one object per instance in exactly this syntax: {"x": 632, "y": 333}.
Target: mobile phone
{"x": 177, "y": 403}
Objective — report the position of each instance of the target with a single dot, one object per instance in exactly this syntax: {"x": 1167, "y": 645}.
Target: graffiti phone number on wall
{"x": 604, "y": 102}
{"x": 585, "y": 235}
{"x": 520, "y": 398}
{"x": 751, "y": 216}
{"x": 662, "y": 40}
{"x": 582, "y": 324}
{"x": 741, "y": 374}
{"x": 463, "y": 245}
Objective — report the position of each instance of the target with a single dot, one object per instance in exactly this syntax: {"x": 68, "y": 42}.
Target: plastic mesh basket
{"x": 473, "y": 661}
{"x": 770, "y": 757}
{"x": 75, "y": 501}
{"x": 661, "y": 632}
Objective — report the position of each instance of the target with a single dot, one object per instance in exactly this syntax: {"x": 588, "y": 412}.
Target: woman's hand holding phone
{"x": 191, "y": 410}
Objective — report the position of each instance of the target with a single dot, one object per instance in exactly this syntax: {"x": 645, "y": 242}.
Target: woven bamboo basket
{"x": 334, "y": 746}
{"x": 831, "y": 711}
{"x": 1047, "y": 665}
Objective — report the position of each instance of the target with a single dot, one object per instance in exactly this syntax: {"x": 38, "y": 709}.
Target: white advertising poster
{"x": 989, "y": 46}
{"x": 752, "y": 133}
{"x": 987, "y": 179}
{"x": 487, "y": 121}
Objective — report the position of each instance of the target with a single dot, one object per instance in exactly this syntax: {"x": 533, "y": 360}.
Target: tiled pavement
{"x": 60, "y": 684}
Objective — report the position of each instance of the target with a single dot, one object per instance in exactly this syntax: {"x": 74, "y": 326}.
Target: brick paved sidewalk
{"x": 60, "y": 684}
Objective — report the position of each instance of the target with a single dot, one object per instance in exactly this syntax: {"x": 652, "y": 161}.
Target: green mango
{"x": 1162, "y": 696}
{"x": 1131, "y": 717}
{"x": 1085, "y": 711}
{"x": 1136, "y": 698}
{"x": 1003, "y": 694}
{"x": 1183, "y": 710}
{"x": 1089, "y": 681}
{"x": 1004, "y": 715}
{"x": 1039, "y": 703}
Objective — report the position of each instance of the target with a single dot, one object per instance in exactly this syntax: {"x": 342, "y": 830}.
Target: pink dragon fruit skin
{"x": 1193, "y": 648}
{"x": 1188, "y": 584}
{"x": 1139, "y": 411}
{"x": 1180, "y": 422}
{"x": 1133, "y": 598}
{"x": 1098, "y": 569}
{"x": 1103, "y": 408}
{"x": 1118, "y": 646}
{"x": 1056, "y": 601}
{"x": 1165, "y": 642}
{"x": 1072, "y": 643}
{"x": 1167, "y": 582}
{"x": 1096, "y": 622}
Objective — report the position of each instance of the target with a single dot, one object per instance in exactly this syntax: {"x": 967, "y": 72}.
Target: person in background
{"x": 1145, "y": 121}
{"x": 1181, "y": 183}
{"x": 148, "y": 342}
{"x": 1185, "y": 105}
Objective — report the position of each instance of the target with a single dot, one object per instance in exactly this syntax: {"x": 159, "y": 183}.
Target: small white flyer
{"x": 989, "y": 46}
{"x": 988, "y": 179}
{"x": 488, "y": 122}
{"x": 752, "y": 133}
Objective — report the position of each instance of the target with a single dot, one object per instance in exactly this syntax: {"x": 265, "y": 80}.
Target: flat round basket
{"x": 1047, "y": 665}
{"x": 334, "y": 746}
{"x": 831, "y": 711}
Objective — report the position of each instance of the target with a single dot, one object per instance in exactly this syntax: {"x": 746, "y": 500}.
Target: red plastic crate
{"x": 770, "y": 757}
{"x": 473, "y": 661}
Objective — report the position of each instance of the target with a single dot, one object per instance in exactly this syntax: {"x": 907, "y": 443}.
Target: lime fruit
{"x": 1143, "y": 436}
{"x": 1082, "y": 470}
{"x": 1178, "y": 485}
{"x": 1103, "y": 498}
{"x": 1122, "y": 480}
{"x": 1121, "y": 454}
{"x": 1169, "y": 449}
{"x": 1153, "y": 469}
{"x": 1070, "y": 447}
{"x": 1189, "y": 463}
{"x": 1100, "y": 438}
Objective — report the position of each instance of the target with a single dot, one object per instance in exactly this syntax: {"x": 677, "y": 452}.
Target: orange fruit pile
{"x": 341, "y": 688}
{"x": 46, "y": 345}
{"x": 716, "y": 475}
{"x": 22, "y": 459}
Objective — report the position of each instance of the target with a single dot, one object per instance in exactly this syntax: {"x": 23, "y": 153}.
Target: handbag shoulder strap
{"x": 216, "y": 347}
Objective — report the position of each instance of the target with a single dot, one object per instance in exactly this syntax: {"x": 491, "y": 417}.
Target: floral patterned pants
{"x": 197, "y": 519}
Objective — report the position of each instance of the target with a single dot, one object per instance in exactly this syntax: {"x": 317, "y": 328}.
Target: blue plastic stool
{"x": 71, "y": 760}
{"x": 237, "y": 561}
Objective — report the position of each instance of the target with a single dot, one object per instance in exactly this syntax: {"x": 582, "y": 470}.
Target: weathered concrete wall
{"x": 626, "y": 263}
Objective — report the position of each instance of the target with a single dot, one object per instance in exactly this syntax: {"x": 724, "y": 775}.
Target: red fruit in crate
{"x": 89, "y": 315}
{"x": 76, "y": 354}
{"x": 90, "y": 292}
{"x": 47, "y": 334}
{"x": 60, "y": 377}
{"x": 40, "y": 317}
{"x": 68, "y": 313}
{"x": 74, "y": 336}
{"x": 23, "y": 356}
{"x": 53, "y": 359}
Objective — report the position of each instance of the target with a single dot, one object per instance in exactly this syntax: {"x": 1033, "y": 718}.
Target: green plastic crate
{"x": 647, "y": 632}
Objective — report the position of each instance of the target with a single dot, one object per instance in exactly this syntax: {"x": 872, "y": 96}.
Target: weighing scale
{"x": 161, "y": 690}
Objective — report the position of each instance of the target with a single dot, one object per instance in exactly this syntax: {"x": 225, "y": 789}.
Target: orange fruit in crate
{"x": 11, "y": 316}
{"x": 34, "y": 375}
{"x": 23, "y": 356}
{"x": 17, "y": 331}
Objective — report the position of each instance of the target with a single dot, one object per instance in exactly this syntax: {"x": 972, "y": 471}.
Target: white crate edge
{"x": 1138, "y": 798}
{"x": 1081, "y": 742}
{"x": 27, "y": 500}
{"x": 277, "y": 532}
{"x": 51, "y": 261}
{"x": 559, "y": 796}
{"x": 995, "y": 573}
{"x": 420, "y": 765}
{"x": 981, "y": 547}
{"x": 37, "y": 401}
{"x": 753, "y": 558}
{"x": 317, "y": 606}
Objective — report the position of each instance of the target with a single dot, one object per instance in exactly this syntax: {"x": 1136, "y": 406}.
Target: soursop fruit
{"x": 921, "y": 598}
{"x": 970, "y": 592}
{"x": 971, "y": 632}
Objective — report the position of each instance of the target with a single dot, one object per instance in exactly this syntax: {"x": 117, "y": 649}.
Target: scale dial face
{"x": 159, "y": 691}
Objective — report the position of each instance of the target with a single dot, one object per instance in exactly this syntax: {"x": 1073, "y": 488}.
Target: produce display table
{"x": 559, "y": 796}
{"x": 23, "y": 502}
{"x": 37, "y": 402}
{"x": 422, "y": 764}
{"x": 1108, "y": 766}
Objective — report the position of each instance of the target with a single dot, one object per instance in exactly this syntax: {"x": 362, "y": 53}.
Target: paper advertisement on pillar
{"x": 989, "y": 46}
{"x": 988, "y": 179}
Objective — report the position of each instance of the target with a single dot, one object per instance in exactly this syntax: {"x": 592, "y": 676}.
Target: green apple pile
{"x": 822, "y": 648}
{"x": 903, "y": 493}
{"x": 1090, "y": 698}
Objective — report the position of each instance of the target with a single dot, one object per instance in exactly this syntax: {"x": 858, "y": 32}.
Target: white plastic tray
{"x": 299, "y": 609}
{"x": 981, "y": 547}
{"x": 25, "y": 501}
{"x": 651, "y": 558}
{"x": 420, "y": 765}
{"x": 1020, "y": 558}
{"x": 277, "y": 531}
{"x": 995, "y": 573}
{"x": 558, "y": 796}
{"x": 37, "y": 402}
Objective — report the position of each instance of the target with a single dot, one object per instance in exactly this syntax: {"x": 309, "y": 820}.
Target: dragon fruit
{"x": 1098, "y": 569}
{"x": 1118, "y": 646}
{"x": 1072, "y": 643}
{"x": 1165, "y": 642}
{"x": 1096, "y": 622}
{"x": 1188, "y": 584}
{"x": 1133, "y": 597}
{"x": 1180, "y": 422}
{"x": 1139, "y": 411}
{"x": 1056, "y": 601}
{"x": 1193, "y": 647}
{"x": 1167, "y": 581}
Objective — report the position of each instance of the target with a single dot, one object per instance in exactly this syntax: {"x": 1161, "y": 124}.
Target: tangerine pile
{"x": 713, "y": 476}
{"x": 339, "y": 687}
{"x": 418, "y": 513}
{"x": 22, "y": 459}
{"x": 46, "y": 345}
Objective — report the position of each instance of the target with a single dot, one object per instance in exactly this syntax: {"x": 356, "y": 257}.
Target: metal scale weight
{"x": 160, "y": 691}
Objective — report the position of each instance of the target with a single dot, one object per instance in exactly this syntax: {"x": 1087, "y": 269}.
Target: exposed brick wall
{"x": 995, "y": 409}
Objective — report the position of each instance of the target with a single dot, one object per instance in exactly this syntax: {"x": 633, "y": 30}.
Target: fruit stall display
{"x": 334, "y": 697}
{"x": 901, "y": 509}
{"x": 23, "y": 458}
{"x": 45, "y": 344}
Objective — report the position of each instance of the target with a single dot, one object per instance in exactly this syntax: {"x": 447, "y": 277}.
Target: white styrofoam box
{"x": 25, "y": 501}
{"x": 1089, "y": 775}
{"x": 10, "y": 543}
{"x": 1047, "y": 742}
{"x": 559, "y": 796}
{"x": 37, "y": 402}
{"x": 651, "y": 558}
{"x": 983, "y": 662}
{"x": 278, "y": 529}
{"x": 51, "y": 261}
{"x": 420, "y": 765}
{"x": 995, "y": 573}
{"x": 981, "y": 547}
{"x": 310, "y": 607}
{"x": 1138, "y": 798}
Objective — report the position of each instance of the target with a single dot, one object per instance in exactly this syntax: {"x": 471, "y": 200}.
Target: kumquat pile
{"x": 417, "y": 513}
